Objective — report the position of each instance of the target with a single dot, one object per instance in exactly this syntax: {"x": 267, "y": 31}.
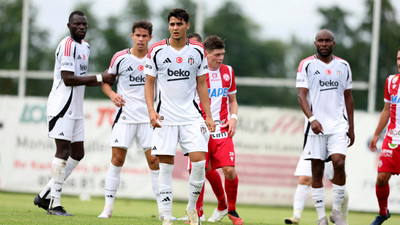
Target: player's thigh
{"x": 337, "y": 143}
{"x": 144, "y": 136}
{"x": 389, "y": 158}
{"x": 193, "y": 137}
{"x": 122, "y": 135}
{"x": 223, "y": 153}
{"x": 315, "y": 147}
{"x": 165, "y": 140}
{"x": 61, "y": 128}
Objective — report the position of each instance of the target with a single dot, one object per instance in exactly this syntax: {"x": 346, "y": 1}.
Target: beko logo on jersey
{"x": 148, "y": 66}
{"x": 217, "y": 92}
{"x": 83, "y": 67}
{"x": 330, "y": 84}
{"x": 395, "y": 99}
{"x": 140, "y": 79}
{"x": 178, "y": 73}
{"x": 66, "y": 64}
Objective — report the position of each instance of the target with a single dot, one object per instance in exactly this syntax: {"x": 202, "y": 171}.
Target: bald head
{"x": 325, "y": 32}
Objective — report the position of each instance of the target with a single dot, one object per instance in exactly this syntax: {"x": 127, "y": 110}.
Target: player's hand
{"x": 117, "y": 100}
{"x": 155, "y": 119}
{"x": 372, "y": 143}
{"x": 231, "y": 124}
{"x": 210, "y": 124}
{"x": 316, "y": 127}
{"x": 351, "y": 136}
{"x": 108, "y": 78}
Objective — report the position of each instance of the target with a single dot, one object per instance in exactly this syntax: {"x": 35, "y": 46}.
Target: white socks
{"x": 112, "y": 184}
{"x": 154, "y": 174}
{"x": 300, "y": 199}
{"x": 338, "y": 196}
{"x": 318, "y": 196}
{"x": 196, "y": 182}
{"x": 165, "y": 188}
{"x": 71, "y": 164}
{"x": 58, "y": 175}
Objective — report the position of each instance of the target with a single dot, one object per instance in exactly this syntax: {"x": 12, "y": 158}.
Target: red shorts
{"x": 389, "y": 160}
{"x": 221, "y": 151}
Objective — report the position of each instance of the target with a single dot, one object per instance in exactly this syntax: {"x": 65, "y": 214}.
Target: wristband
{"x": 234, "y": 116}
{"x": 99, "y": 78}
{"x": 312, "y": 118}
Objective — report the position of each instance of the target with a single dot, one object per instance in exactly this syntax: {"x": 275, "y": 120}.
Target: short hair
{"x": 142, "y": 24}
{"x": 79, "y": 13}
{"x": 180, "y": 14}
{"x": 195, "y": 35}
{"x": 213, "y": 42}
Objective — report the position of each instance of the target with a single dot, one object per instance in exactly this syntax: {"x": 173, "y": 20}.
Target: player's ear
{"x": 132, "y": 36}
{"x": 188, "y": 26}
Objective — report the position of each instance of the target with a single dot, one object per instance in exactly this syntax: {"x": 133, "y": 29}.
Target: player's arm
{"x": 149, "y": 96}
{"x": 70, "y": 79}
{"x": 115, "y": 97}
{"x": 233, "y": 109}
{"x": 348, "y": 98}
{"x": 202, "y": 90}
{"x": 383, "y": 121}
{"x": 305, "y": 106}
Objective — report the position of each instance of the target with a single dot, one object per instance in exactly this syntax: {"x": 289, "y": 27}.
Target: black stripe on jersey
{"x": 197, "y": 107}
{"x": 154, "y": 58}
{"x": 167, "y": 40}
{"x": 136, "y": 85}
{"x": 159, "y": 102}
{"x": 53, "y": 121}
{"x": 307, "y": 68}
{"x": 117, "y": 117}
{"x": 306, "y": 132}
{"x": 118, "y": 64}
{"x": 187, "y": 41}
{"x": 185, "y": 78}
{"x": 75, "y": 52}
{"x": 58, "y": 51}
{"x": 201, "y": 55}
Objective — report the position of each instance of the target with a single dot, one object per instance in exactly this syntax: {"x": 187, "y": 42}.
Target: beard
{"x": 325, "y": 54}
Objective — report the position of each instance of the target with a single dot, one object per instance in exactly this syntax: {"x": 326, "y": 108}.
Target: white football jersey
{"x": 67, "y": 101}
{"x": 176, "y": 73}
{"x": 326, "y": 84}
{"x": 130, "y": 86}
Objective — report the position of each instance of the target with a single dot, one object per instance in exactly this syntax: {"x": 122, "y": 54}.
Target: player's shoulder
{"x": 393, "y": 78}
{"x": 304, "y": 62}
{"x": 118, "y": 56}
{"x": 158, "y": 45}
{"x": 85, "y": 43}
{"x": 196, "y": 44}
{"x": 225, "y": 67}
{"x": 341, "y": 60}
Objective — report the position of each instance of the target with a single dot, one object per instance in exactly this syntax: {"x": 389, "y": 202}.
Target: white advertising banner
{"x": 268, "y": 144}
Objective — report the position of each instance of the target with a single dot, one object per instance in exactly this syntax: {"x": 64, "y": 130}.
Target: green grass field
{"x": 16, "y": 208}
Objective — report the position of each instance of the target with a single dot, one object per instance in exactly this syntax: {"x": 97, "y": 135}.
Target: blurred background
{"x": 265, "y": 41}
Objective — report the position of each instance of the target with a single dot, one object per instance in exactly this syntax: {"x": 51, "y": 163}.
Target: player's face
{"x": 177, "y": 28}
{"x": 141, "y": 38}
{"x": 78, "y": 27}
{"x": 215, "y": 58}
{"x": 324, "y": 43}
{"x": 398, "y": 60}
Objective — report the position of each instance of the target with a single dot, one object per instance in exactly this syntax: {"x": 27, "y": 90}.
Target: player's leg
{"x": 337, "y": 147}
{"x": 231, "y": 188}
{"x": 382, "y": 193}
{"x": 112, "y": 180}
{"x": 216, "y": 184}
{"x": 164, "y": 142}
{"x": 300, "y": 197}
{"x": 193, "y": 139}
{"x": 317, "y": 188}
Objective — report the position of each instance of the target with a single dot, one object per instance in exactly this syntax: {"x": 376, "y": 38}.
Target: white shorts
{"x": 123, "y": 134}
{"x": 66, "y": 129}
{"x": 323, "y": 146}
{"x": 304, "y": 169}
{"x": 191, "y": 137}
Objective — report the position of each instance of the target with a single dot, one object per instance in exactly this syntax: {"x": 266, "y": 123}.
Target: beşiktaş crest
{"x": 191, "y": 60}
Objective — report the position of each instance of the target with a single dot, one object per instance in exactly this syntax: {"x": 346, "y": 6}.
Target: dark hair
{"x": 79, "y": 13}
{"x": 213, "y": 42}
{"x": 142, "y": 24}
{"x": 195, "y": 35}
{"x": 180, "y": 14}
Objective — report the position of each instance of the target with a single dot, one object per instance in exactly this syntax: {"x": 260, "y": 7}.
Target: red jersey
{"x": 392, "y": 96}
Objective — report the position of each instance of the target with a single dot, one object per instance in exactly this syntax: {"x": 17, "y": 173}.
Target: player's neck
{"x": 178, "y": 44}
{"x": 326, "y": 60}
{"x": 137, "y": 53}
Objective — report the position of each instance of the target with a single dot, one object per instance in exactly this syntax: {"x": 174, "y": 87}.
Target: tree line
{"x": 246, "y": 52}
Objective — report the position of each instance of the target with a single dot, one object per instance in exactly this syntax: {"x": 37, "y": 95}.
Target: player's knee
{"x": 118, "y": 161}
{"x": 154, "y": 164}
{"x": 382, "y": 180}
{"x": 229, "y": 172}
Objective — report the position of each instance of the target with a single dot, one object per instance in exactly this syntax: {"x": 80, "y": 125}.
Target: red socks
{"x": 216, "y": 184}
{"x": 231, "y": 188}
{"x": 382, "y": 193}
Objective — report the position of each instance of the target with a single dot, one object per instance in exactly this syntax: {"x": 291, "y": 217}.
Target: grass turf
{"x": 17, "y": 208}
